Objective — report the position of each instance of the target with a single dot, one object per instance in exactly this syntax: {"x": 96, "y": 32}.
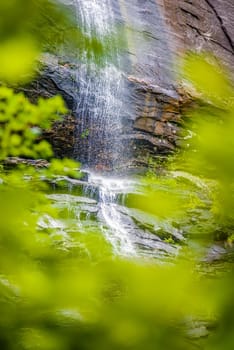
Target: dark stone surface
{"x": 56, "y": 77}
{"x": 62, "y": 136}
{"x": 12, "y": 162}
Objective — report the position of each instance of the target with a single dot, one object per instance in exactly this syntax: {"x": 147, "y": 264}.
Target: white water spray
{"x": 116, "y": 230}
{"x": 100, "y": 87}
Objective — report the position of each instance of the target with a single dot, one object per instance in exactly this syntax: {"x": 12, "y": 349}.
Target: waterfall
{"x": 99, "y": 112}
{"x": 100, "y": 83}
{"x": 107, "y": 103}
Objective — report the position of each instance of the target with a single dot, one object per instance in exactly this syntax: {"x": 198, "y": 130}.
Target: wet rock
{"x": 199, "y": 329}
{"x": 143, "y": 236}
{"x": 62, "y": 137}
{"x": 74, "y": 186}
{"x": 66, "y": 182}
{"x": 57, "y": 78}
{"x": 47, "y": 221}
{"x": 149, "y": 223}
{"x": 70, "y": 199}
{"x": 12, "y": 162}
{"x": 217, "y": 259}
{"x": 216, "y": 253}
{"x": 71, "y": 206}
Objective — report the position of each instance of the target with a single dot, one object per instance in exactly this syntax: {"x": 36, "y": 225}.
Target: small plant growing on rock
{"x": 85, "y": 134}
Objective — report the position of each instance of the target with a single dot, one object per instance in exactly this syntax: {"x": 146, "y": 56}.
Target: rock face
{"x": 172, "y": 27}
{"x": 155, "y": 129}
{"x": 57, "y": 78}
{"x": 202, "y": 25}
{"x": 156, "y": 33}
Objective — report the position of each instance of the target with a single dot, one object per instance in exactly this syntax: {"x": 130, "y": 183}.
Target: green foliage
{"x": 67, "y": 167}
{"x": 85, "y": 134}
{"x": 208, "y": 77}
{"x": 22, "y": 122}
{"x": 29, "y": 26}
{"x": 23, "y": 29}
{"x": 173, "y": 191}
{"x": 211, "y": 149}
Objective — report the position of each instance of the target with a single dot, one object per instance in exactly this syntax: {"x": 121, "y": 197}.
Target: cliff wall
{"x": 157, "y": 34}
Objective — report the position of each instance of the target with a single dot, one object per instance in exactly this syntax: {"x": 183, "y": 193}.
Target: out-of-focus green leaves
{"x": 29, "y": 27}
{"x": 208, "y": 78}
{"x": 157, "y": 202}
{"x": 24, "y": 29}
{"x": 66, "y": 167}
{"x": 17, "y": 59}
{"x": 21, "y": 123}
{"x": 210, "y": 151}
{"x": 167, "y": 196}
{"x": 56, "y": 296}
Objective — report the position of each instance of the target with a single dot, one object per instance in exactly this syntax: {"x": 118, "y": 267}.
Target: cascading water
{"x": 100, "y": 83}
{"x": 100, "y": 102}
{"x": 117, "y": 231}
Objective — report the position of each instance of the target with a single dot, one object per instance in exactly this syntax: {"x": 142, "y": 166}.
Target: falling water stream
{"x": 100, "y": 82}
{"x": 101, "y": 89}
{"x": 117, "y": 231}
